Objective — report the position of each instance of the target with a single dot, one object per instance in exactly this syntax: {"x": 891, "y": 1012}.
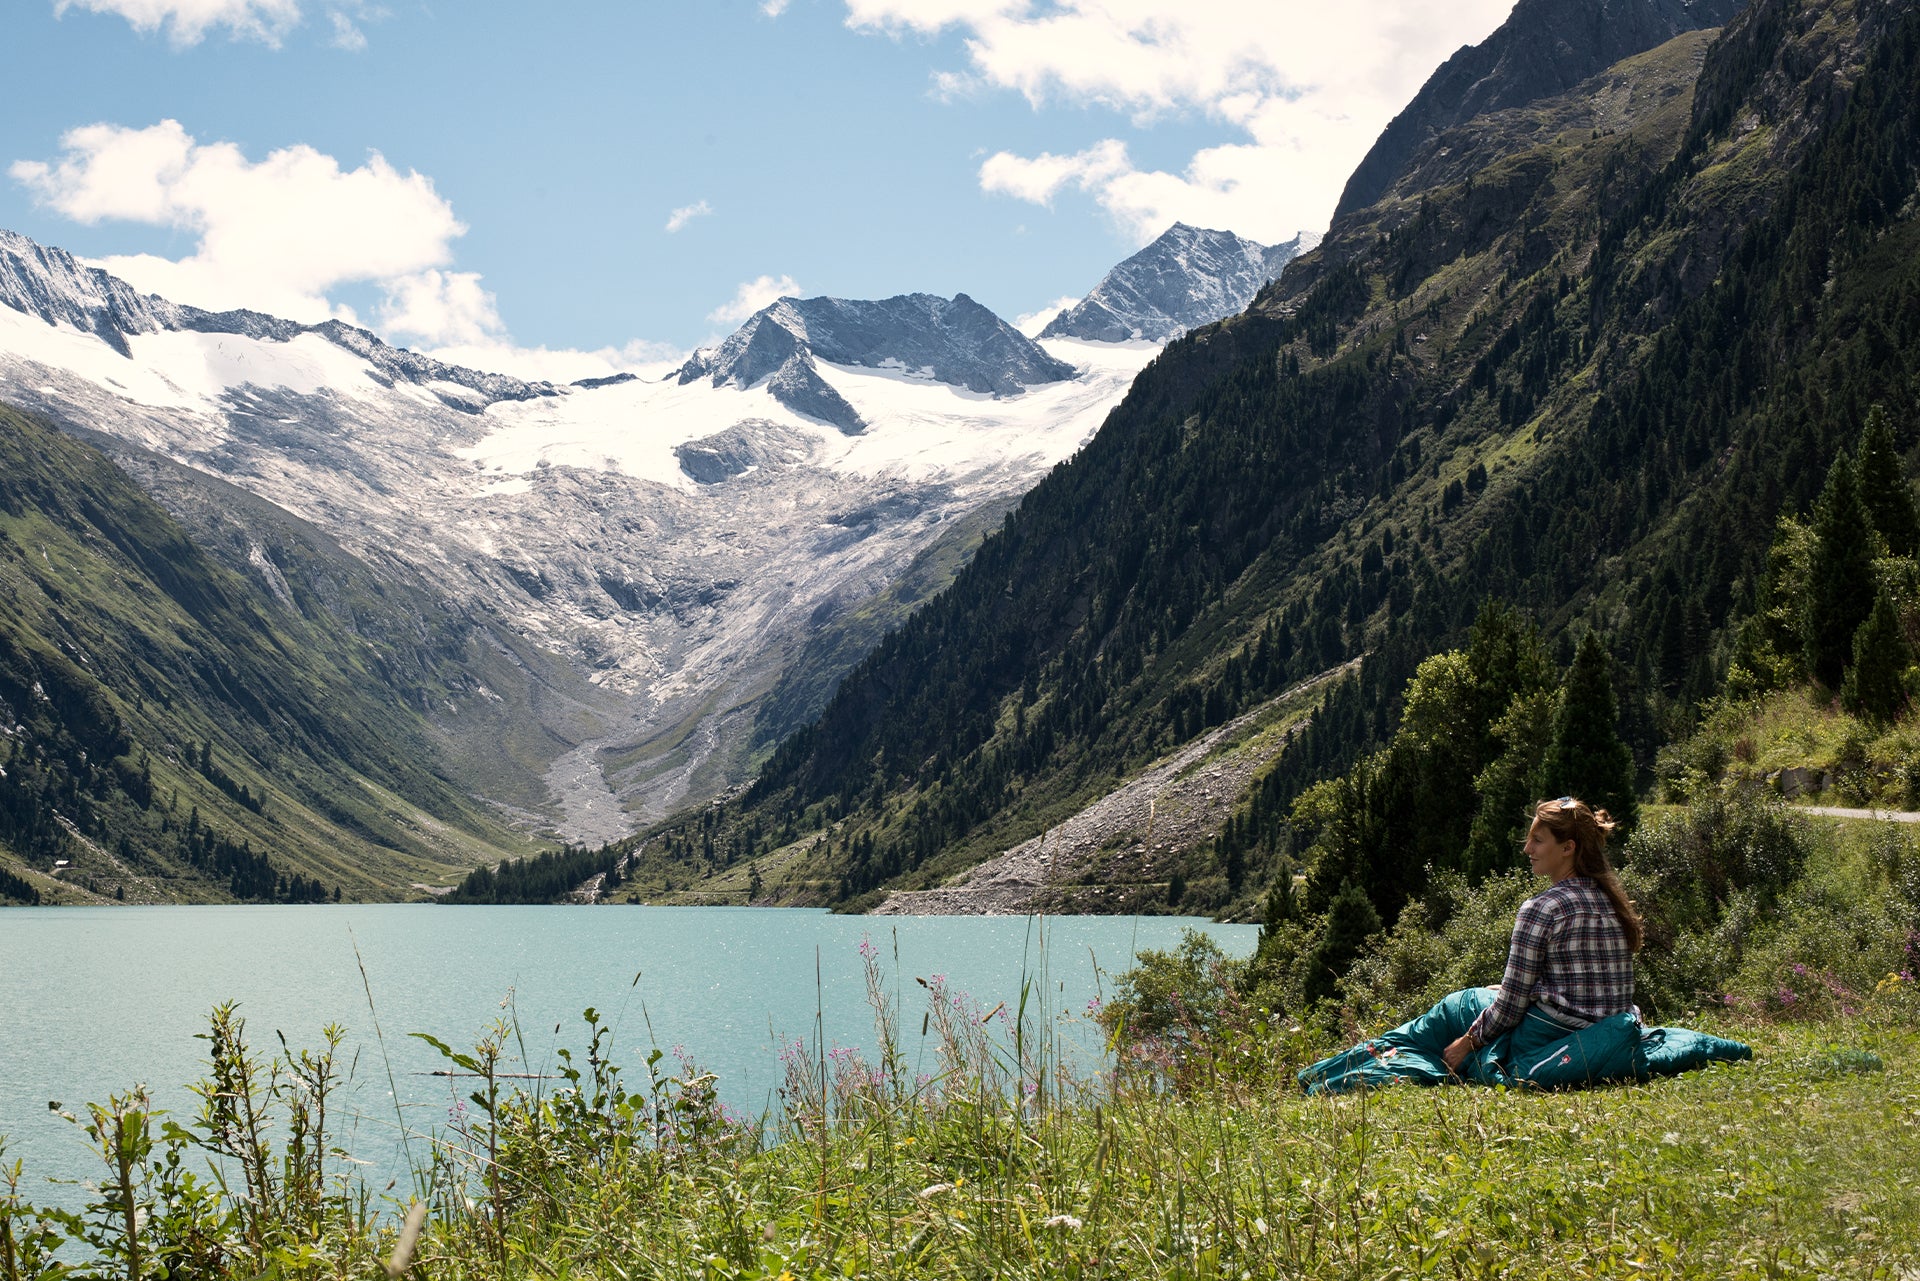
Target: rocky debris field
{"x": 1117, "y": 853}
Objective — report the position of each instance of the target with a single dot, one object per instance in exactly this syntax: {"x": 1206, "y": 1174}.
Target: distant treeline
{"x": 12, "y": 887}
{"x": 250, "y": 877}
{"x": 544, "y": 878}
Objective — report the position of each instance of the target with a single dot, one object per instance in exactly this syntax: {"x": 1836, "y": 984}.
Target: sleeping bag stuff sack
{"x": 1543, "y": 1052}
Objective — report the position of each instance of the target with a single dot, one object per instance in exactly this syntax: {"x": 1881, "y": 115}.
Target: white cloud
{"x": 346, "y": 33}
{"x": 686, "y": 214}
{"x": 751, "y": 296}
{"x": 1309, "y": 85}
{"x": 188, "y": 21}
{"x": 447, "y": 307}
{"x": 1040, "y": 178}
{"x": 774, "y": 8}
{"x": 1033, "y": 322}
{"x": 281, "y": 234}
{"x": 641, "y": 358}
{"x": 277, "y": 235}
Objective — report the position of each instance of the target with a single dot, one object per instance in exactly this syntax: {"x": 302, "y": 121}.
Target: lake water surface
{"x": 94, "y": 1000}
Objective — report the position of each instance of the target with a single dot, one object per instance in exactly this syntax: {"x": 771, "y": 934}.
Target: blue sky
{"x": 502, "y": 179}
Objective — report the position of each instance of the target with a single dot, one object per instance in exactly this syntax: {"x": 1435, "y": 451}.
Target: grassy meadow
{"x": 1197, "y": 1158}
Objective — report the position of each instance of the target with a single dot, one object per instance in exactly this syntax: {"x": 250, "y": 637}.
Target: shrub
{"x": 1457, "y": 937}
{"x": 1688, "y": 866}
{"x": 1178, "y": 995}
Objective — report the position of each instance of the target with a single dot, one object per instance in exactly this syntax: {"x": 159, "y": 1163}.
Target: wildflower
{"x": 1799, "y": 969}
{"x": 1787, "y": 996}
{"x": 1066, "y": 1221}
{"x": 1670, "y": 1137}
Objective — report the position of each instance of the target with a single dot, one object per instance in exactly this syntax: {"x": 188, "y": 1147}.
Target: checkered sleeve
{"x": 1526, "y": 956}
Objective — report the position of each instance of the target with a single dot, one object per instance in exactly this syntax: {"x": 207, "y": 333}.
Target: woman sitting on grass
{"x": 1563, "y": 1013}
{"x": 1573, "y": 946}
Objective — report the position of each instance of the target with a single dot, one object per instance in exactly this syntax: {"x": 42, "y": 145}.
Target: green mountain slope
{"x": 170, "y": 731}
{"x": 1584, "y": 376}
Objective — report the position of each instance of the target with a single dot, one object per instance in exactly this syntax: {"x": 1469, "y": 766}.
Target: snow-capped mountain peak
{"x": 946, "y": 340}
{"x": 1188, "y": 276}
{"x": 677, "y": 542}
{"x": 51, "y": 284}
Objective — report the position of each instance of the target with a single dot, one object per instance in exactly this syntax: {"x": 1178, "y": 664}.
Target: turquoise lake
{"x": 94, "y": 1000}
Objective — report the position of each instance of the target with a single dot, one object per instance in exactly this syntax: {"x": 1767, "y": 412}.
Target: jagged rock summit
{"x": 1188, "y": 276}
{"x": 1544, "y": 48}
{"x": 921, "y": 336}
{"x": 53, "y": 285}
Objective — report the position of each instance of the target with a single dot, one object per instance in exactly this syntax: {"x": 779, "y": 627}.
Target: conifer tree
{"x": 1874, "y": 688}
{"x": 1840, "y": 586}
{"x": 1280, "y": 905}
{"x": 1508, "y": 785}
{"x": 1884, "y": 487}
{"x": 1351, "y": 920}
{"x": 1585, "y": 756}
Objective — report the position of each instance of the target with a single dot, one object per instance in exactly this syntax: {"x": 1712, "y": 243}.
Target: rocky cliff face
{"x": 1188, "y": 276}
{"x": 1545, "y": 48}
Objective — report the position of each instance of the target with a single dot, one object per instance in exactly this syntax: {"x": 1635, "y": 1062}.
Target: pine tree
{"x": 1280, "y": 905}
{"x": 1351, "y": 920}
{"x": 1508, "y": 785}
{"x": 1884, "y": 487}
{"x": 1874, "y": 689}
{"x": 1840, "y": 588}
{"x": 1585, "y": 755}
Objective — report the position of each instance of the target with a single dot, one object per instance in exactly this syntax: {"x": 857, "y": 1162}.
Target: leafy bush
{"x": 1457, "y": 937}
{"x": 1688, "y": 866}
{"x": 1178, "y": 995}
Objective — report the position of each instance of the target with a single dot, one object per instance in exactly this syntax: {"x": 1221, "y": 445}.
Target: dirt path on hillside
{"x": 1885, "y": 816}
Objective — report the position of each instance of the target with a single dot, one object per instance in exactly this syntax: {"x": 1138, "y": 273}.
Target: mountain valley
{"x": 677, "y": 568}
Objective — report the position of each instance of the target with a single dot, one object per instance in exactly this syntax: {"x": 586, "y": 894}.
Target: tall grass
{"x": 990, "y": 1154}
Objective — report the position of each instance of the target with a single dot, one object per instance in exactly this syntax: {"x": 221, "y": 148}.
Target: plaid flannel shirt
{"x": 1570, "y": 954}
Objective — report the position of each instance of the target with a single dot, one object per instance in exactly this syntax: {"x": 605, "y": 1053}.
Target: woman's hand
{"x": 1456, "y": 1054}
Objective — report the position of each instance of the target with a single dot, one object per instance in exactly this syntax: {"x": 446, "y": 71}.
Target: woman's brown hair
{"x": 1571, "y": 819}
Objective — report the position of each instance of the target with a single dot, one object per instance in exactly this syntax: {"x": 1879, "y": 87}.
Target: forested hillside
{"x": 170, "y": 731}
{"x": 1584, "y": 377}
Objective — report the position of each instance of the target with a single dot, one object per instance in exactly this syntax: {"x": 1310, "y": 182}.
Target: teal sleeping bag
{"x": 1543, "y": 1052}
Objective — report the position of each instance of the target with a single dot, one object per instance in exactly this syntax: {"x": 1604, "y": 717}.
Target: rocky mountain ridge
{"x": 1544, "y": 48}
{"x": 1188, "y": 276}
{"x": 51, "y": 284}
{"x": 920, "y": 336}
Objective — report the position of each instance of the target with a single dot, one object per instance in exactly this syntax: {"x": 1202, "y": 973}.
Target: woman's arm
{"x": 1526, "y": 955}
